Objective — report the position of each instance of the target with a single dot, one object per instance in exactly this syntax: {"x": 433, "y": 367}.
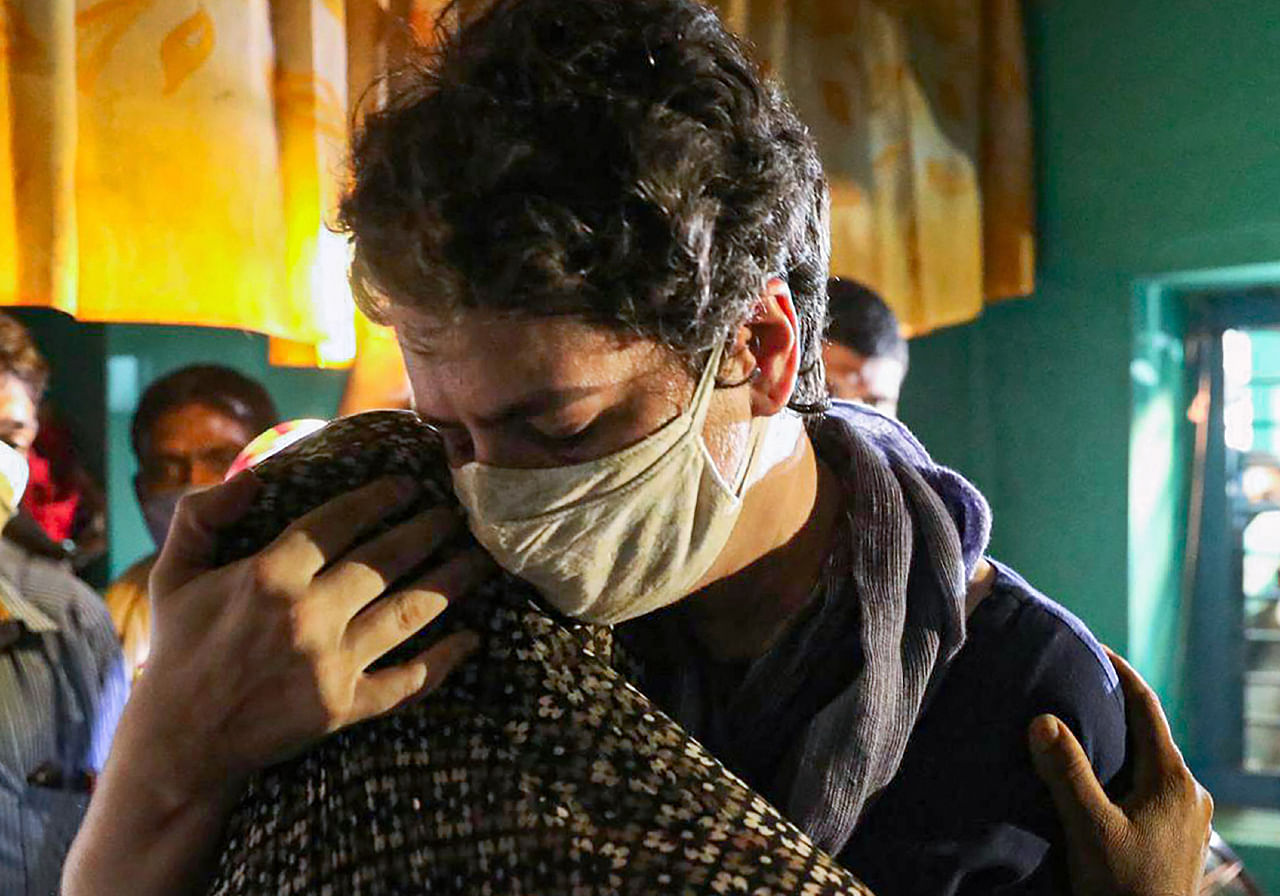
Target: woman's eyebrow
{"x": 541, "y": 401}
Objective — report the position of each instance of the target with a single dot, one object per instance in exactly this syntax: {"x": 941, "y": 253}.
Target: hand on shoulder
{"x": 1153, "y": 842}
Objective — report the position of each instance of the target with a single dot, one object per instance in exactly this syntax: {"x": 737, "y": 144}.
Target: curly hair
{"x": 20, "y": 358}
{"x": 621, "y": 161}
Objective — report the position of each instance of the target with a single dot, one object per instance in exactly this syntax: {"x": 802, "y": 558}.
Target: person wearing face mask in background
{"x": 62, "y": 679}
{"x": 864, "y": 352}
{"x": 188, "y": 429}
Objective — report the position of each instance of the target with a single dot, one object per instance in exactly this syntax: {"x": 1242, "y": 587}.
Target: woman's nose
{"x": 458, "y": 448}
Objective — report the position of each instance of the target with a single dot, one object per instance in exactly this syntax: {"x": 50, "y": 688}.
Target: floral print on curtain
{"x": 921, "y": 110}
{"x": 175, "y": 161}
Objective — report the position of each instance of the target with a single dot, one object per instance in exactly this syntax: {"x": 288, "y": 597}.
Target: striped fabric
{"x": 62, "y": 689}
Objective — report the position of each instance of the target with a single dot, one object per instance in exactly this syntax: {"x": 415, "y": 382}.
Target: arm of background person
{"x": 1152, "y": 842}
{"x": 111, "y": 679}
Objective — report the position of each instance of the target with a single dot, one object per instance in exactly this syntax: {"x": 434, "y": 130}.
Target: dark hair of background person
{"x": 220, "y": 388}
{"x": 19, "y": 357}
{"x": 862, "y": 321}
{"x": 622, "y": 162}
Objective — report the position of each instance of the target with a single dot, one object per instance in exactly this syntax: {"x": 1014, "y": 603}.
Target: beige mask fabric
{"x": 620, "y": 536}
{"x": 14, "y": 472}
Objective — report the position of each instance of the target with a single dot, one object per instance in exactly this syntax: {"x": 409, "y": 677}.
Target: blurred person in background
{"x": 62, "y": 679}
{"x": 188, "y": 429}
{"x": 63, "y": 514}
{"x": 864, "y": 352}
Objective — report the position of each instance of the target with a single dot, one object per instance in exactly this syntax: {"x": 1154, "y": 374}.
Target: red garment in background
{"x": 54, "y": 493}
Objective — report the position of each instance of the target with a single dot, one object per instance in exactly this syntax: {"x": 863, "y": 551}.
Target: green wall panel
{"x": 1156, "y": 151}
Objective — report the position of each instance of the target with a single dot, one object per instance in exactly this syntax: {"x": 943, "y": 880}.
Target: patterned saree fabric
{"x": 536, "y": 769}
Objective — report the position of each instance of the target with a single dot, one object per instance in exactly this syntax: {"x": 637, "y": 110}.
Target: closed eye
{"x": 457, "y": 442}
{"x": 564, "y": 436}
{"x": 564, "y": 445}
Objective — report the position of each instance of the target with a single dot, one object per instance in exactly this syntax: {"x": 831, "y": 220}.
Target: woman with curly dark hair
{"x": 601, "y": 239}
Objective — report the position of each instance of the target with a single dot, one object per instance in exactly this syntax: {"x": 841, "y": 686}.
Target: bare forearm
{"x": 150, "y": 829}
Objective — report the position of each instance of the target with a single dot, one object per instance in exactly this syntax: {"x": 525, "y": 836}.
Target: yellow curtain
{"x": 921, "y": 110}
{"x": 175, "y": 161}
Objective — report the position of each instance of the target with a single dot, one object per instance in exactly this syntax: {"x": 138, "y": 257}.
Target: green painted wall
{"x": 1157, "y": 151}
{"x": 137, "y": 355}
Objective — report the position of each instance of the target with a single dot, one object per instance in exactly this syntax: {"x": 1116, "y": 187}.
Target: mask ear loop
{"x": 706, "y": 386}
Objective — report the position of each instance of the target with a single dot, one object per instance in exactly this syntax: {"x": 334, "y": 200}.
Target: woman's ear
{"x": 772, "y": 348}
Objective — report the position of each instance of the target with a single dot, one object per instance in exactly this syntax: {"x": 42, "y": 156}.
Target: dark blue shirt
{"x": 965, "y": 813}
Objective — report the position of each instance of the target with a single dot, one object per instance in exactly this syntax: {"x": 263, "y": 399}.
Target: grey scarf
{"x": 819, "y": 724}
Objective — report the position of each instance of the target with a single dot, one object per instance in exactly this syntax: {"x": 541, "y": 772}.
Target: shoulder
{"x": 76, "y": 609}
{"x": 886, "y": 434}
{"x": 894, "y": 444}
{"x": 966, "y": 807}
{"x": 128, "y": 593}
{"x": 1049, "y": 662}
{"x": 128, "y": 600}
{"x": 1024, "y": 655}
{"x": 136, "y": 575}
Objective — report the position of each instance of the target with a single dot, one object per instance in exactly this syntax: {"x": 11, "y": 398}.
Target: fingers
{"x": 399, "y": 616}
{"x": 188, "y": 551}
{"x": 366, "y": 572}
{"x": 319, "y": 537}
{"x": 1156, "y": 756}
{"x": 382, "y": 691}
{"x": 1161, "y": 775}
{"x": 1064, "y": 768}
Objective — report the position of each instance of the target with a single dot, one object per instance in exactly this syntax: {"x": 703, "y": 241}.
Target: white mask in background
{"x": 14, "y": 473}
{"x": 626, "y": 534}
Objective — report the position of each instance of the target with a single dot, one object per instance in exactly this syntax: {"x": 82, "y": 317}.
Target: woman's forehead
{"x": 473, "y": 334}
{"x": 481, "y": 359}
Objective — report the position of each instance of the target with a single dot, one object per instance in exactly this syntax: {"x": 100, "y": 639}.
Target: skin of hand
{"x": 255, "y": 660}
{"x": 1153, "y": 842}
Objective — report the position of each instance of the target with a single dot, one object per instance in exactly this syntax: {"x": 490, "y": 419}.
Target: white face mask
{"x": 14, "y": 472}
{"x": 620, "y": 536}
